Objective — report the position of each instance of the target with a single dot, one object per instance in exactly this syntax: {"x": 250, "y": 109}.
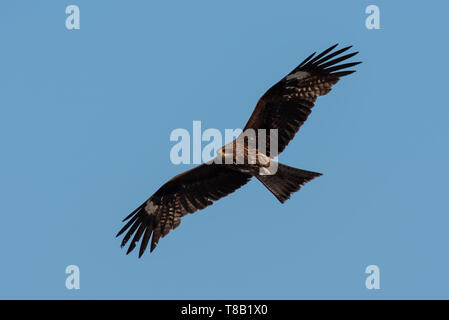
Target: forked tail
{"x": 286, "y": 181}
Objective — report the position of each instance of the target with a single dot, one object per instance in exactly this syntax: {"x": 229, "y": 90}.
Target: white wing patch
{"x": 300, "y": 75}
{"x": 151, "y": 208}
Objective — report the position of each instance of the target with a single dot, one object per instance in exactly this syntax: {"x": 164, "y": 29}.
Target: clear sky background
{"x": 85, "y": 120}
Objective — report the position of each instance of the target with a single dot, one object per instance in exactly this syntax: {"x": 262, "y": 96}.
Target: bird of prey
{"x": 284, "y": 107}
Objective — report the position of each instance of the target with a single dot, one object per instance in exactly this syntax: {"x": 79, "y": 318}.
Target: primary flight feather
{"x": 284, "y": 107}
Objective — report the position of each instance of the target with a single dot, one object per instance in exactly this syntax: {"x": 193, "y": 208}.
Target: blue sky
{"x": 85, "y": 120}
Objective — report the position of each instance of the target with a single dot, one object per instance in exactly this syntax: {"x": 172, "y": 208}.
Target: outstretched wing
{"x": 188, "y": 192}
{"x": 287, "y": 104}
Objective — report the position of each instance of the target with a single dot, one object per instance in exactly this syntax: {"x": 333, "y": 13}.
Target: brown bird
{"x": 284, "y": 108}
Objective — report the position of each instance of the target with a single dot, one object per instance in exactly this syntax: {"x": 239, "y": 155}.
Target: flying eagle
{"x": 285, "y": 107}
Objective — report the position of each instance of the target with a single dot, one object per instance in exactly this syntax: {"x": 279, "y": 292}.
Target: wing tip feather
{"x": 325, "y": 61}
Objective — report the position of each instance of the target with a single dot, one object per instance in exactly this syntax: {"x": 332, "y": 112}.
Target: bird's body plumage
{"x": 284, "y": 107}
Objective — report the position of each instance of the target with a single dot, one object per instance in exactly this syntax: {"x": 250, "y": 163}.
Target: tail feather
{"x": 286, "y": 181}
